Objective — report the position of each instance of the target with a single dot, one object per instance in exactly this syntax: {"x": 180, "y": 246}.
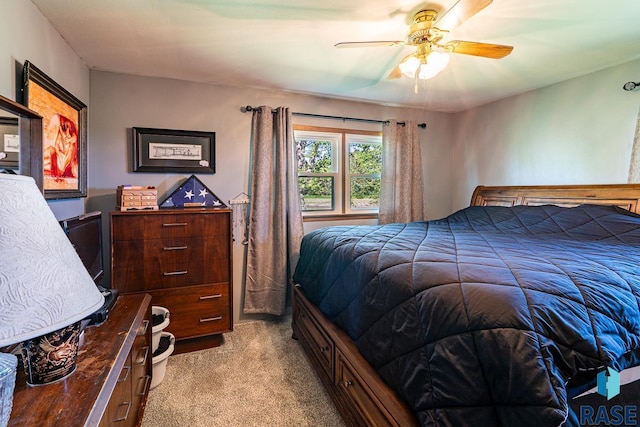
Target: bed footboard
{"x": 360, "y": 395}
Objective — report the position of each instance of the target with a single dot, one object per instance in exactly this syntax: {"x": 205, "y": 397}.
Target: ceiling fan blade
{"x": 460, "y": 12}
{"x": 370, "y": 44}
{"x": 487, "y": 50}
{"x": 395, "y": 73}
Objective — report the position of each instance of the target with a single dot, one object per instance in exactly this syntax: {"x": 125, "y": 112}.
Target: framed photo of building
{"x": 173, "y": 151}
{"x": 64, "y": 134}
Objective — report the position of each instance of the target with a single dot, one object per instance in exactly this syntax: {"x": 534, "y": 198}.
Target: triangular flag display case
{"x": 192, "y": 193}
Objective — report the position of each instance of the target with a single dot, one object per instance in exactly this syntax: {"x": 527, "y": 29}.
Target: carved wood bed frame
{"x": 361, "y": 397}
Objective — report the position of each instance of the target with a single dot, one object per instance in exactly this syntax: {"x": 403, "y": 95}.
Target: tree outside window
{"x": 338, "y": 170}
{"x": 365, "y": 167}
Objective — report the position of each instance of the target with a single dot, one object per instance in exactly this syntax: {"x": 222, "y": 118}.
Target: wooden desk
{"x": 112, "y": 376}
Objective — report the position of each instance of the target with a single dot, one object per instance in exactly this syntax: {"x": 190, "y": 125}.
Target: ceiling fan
{"x": 426, "y": 34}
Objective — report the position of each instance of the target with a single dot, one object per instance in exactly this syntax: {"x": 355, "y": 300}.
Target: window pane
{"x": 365, "y": 158}
{"x": 365, "y": 193}
{"x": 314, "y": 156}
{"x": 316, "y": 193}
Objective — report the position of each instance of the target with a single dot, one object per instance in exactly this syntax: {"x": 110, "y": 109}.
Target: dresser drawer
{"x": 196, "y": 310}
{"x": 315, "y": 338}
{"x": 168, "y": 263}
{"x": 141, "y": 379}
{"x": 151, "y": 276}
{"x": 141, "y": 364}
{"x": 358, "y": 392}
{"x": 163, "y": 251}
{"x": 119, "y": 412}
{"x": 182, "y": 249}
{"x": 170, "y": 225}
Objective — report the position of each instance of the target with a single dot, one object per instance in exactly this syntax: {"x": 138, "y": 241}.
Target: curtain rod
{"x": 322, "y": 116}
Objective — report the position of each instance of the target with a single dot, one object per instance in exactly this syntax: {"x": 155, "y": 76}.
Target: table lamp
{"x": 45, "y": 290}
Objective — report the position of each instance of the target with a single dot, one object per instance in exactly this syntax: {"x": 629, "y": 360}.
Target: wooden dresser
{"x": 182, "y": 257}
{"x": 111, "y": 382}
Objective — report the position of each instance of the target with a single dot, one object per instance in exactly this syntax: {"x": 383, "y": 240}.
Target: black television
{"x": 85, "y": 234}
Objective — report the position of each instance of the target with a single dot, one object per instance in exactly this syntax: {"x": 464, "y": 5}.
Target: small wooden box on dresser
{"x": 182, "y": 258}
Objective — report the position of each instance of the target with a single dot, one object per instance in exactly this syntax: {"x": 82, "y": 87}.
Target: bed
{"x": 499, "y": 314}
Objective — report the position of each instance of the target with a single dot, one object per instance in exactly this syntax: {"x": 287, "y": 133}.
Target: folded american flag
{"x": 192, "y": 193}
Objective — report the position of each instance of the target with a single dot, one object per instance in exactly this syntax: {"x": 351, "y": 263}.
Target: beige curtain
{"x": 275, "y": 219}
{"x": 401, "y": 191}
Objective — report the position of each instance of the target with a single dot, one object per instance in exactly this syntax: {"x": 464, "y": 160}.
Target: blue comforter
{"x": 491, "y": 314}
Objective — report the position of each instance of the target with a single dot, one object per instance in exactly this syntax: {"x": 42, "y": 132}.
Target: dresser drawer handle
{"x": 174, "y": 248}
{"x": 126, "y": 374}
{"x": 145, "y": 325}
{"x": 126, "y": 414}
{"x": 175, "y": 273}
{"x": 211, "y": 319}
{"x": 175, "y": 224}
{"x": 147, "y": 378}
{"x": 144, "y": 349}
{"x": 348, "y": 383}
{"x": 211, "y": 296}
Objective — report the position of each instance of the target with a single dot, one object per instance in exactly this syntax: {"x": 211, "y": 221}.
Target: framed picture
{"x": 9, "y": 143}
{"x": 64, "y": 134}
{"x": 178, "y": 151}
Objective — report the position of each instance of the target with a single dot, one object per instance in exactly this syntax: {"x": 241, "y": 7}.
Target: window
{"x": 338, "y": 170}
{"x": 365, "y": 166}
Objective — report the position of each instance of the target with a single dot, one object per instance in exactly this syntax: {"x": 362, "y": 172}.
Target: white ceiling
{"x": 288, "y": 45}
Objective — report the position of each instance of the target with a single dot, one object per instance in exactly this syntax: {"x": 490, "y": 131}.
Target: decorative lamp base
{"x": 51, "y": 357}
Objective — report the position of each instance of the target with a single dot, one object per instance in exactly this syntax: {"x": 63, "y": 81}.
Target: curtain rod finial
{"x": 246, "y": 108}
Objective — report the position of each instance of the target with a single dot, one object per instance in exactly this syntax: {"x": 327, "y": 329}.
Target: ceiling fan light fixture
{"x": 426, "y": 35}
{"x": 410, "y": 66}
{"x": 436, "y": 62}
{"x": 425, "y": 68}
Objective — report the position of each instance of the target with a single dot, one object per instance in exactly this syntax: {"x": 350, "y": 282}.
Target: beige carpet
{"x": 258, "y": 377}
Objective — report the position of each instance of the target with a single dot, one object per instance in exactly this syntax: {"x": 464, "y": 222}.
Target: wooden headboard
{"x": 627, "y": 196}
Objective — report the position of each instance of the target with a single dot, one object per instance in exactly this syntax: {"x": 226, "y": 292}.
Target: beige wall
{"x": 576, "y": 132}
{"x": 27, "y": 35}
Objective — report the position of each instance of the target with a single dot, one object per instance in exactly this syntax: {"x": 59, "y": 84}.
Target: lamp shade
{"x": 409, "y": 66}
{"x": 44, "y": 285}
{"x": 436, "y": 62}
{"x": 425, "y": 67}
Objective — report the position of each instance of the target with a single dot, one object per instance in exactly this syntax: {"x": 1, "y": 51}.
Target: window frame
{"x": 342, "y": 177}
{"x": 357, "y": 138}
{"x": 336, "y": 163}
